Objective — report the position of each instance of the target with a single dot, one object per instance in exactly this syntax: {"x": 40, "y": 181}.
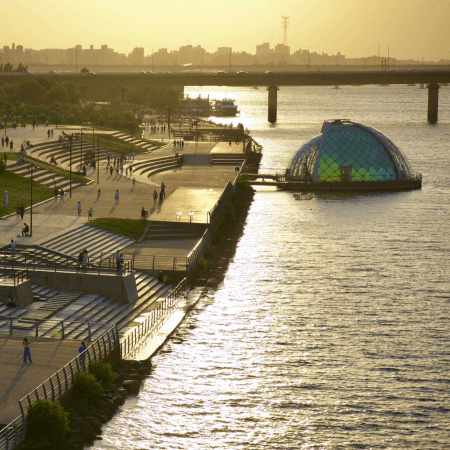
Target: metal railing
{"x": 32, "y": 262}
{"x": 198, "y": 250}
{"x": 53, "y": 328}
{"x": 56, "y": 385}
{"x": 16, "y": 278}
{"x": 153, "y": 321}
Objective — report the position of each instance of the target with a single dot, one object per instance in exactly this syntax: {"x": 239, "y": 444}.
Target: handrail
{"x": 56, "y": 385}
{"x": 153, "y": 320}
{"x": 57, "y": 326}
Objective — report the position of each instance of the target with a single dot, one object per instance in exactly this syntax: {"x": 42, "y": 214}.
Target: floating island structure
{"x": 350, "y": 156}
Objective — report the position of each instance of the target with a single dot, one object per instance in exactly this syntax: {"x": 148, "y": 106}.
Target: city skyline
{"x": 412, "y": 29}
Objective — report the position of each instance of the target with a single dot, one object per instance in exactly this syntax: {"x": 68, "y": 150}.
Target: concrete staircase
{"x": 174, "y": 230}
{"x": 149, "y": 167}
{"x": 80, "y": 153}
{"x": 43, "y": 176}
{"x": 136, "y": 141}
{"x": 77, "y": 310}
{"x": 97, "y": 242}
{"x": 226, "y": 159}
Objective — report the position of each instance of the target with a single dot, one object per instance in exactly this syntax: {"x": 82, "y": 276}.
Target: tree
{"x": 57, "y": 93}
{"x": 73, "y": 93}
{"x": 21, "y": 68}
{"x": 30, "y": 91}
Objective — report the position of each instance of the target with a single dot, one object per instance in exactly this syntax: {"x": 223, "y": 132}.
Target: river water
{"x": 330, "y": 330}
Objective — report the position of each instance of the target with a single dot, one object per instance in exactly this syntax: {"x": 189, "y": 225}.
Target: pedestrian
{"x": 80, "y": 258}
{"x": 3, "y": 141}
{"x": 122, "y": 265}
{"x": 56, "y": 192}
{"x": 121, "y": 169}
{"x": 131, "y": 170}
{"x": 79, "y": 209}
{"x": 85, "y": 259}
{"x": 117, "y": 256}
{"x": 155, "y": 196}
{"x": 161, "y": 194}
{"x": 90, "y": 211}
{"x": 163, "y": 189}
{"x": 98, "y": 193}
{"x": 52, "y": 133}
{"x": 26, "y": 351}
{"x": 116, "y": 196}
{"x": 22, "y": 211}
{"x": 5, "y": 199}
{"x": 25, "y": 229}
{"x": 13, "y": 246}
{"x": 111, "y": 170}
{"x": 117, "y": 170}
{"x": 11, "y": 145}
{"x": 82, "y": 352}
{"x": 134, "y": 182}
{"x": 61, "y": 195}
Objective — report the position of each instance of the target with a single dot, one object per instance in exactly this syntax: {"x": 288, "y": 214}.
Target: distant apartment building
{"x": 136, "y": 57}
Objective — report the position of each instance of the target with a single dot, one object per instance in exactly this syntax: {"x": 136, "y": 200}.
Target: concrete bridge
{"x": 116, "y": 82}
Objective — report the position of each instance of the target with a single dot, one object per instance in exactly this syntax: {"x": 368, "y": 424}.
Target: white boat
{"x": 199, "y": 104}
{"x": 224, "y": 107}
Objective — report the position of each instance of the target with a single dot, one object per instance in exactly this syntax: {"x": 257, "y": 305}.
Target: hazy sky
{"x": 412, "y": 28}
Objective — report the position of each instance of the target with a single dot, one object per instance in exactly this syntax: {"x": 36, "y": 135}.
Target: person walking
{"x": 99, "y": 193}
{"x": 155, "y": 197}
{"x": 117, "y": 257}
{"x": 13, "y": 246}
{"x": 79, "y": 209}
{"x": 85, "y": 259}
{"x": 134, "y": 182}
{"x": 90, "y": 211}
{"x": 26, "y": 351}
{"x": 82, "y": 352}
{"x": 163, "y": 189}
{"x": 111, "y": 170}
{"x": 161, "y": 194}
{"x": 116, "y": 196}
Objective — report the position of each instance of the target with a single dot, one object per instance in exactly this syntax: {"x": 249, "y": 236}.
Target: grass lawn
{"x": 19, "y": 191}
{"x": 126, "y": 227}
{"x": 50, "y": 167}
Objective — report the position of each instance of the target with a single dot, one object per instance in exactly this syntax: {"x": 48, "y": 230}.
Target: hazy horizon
{"x": 412, "y": 28}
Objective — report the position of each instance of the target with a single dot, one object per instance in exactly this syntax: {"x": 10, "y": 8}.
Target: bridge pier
{"x": 433, "y": 102}
{"x": 272, "y": 116}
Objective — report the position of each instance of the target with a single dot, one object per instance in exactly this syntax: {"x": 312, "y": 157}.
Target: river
{"x": 330, "y": 329}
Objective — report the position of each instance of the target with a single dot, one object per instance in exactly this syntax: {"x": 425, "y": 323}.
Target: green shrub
{"x": 102, "y": 372}
{"x": 229, "y": 211}
{"x": 210, "y": 251}
{"x": 47, "y": 420}
{"x": 202, "y": 263}
{"x": 86, "y": 386}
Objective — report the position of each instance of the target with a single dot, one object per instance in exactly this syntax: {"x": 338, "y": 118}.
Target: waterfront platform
{"x": 19, "y": 378}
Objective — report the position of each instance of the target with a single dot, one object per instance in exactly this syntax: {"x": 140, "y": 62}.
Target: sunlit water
{"x": 331, "y": 327}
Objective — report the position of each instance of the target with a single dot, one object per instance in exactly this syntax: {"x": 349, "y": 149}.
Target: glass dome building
{"x": 350, "y": 152}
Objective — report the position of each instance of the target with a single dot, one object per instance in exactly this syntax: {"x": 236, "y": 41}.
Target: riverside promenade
{"x": 196, "y": 186}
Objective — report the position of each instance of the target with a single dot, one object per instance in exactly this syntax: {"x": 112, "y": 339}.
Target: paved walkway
{"x": 18, "y": 379}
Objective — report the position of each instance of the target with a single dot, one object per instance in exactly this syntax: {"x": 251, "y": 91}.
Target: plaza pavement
{"x": 19, "y": 378}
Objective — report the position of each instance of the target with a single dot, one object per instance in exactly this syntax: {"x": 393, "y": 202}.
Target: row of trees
{"x": 8, "y": 67}
{"x": 156, "y": 97}
{"x": 40, "y": 91}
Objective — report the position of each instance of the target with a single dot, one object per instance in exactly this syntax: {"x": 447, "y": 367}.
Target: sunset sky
{"x": 412, "y": 28}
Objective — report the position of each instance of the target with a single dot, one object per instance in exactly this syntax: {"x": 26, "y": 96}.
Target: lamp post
{"x": 81, "y": 164}
{"x": 70, "y": 164}
{"x": 31, "y": 198}
{"x": 98, "y": 159}
{"x": 168, "y": 119}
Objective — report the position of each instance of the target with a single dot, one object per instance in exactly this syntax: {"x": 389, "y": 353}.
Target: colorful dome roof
{"x": 349, "y": 151}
